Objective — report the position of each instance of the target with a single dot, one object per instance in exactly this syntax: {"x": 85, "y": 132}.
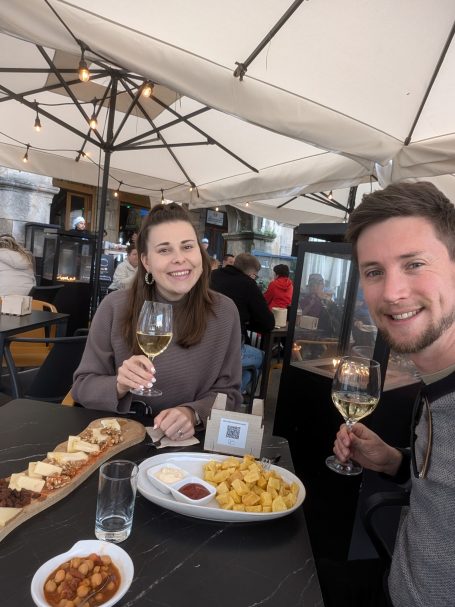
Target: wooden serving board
{"x": 133, "y": 432}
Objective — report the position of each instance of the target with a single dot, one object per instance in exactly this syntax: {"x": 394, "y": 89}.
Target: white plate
{"x": 120, "y": 558}
{"x": 193, "y": 463}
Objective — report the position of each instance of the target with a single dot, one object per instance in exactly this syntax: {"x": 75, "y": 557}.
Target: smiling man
{"x": 404, "y": 243}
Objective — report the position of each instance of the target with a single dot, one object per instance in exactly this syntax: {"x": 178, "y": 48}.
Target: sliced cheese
{"x": 47, "y": 469}
{"x": 99, "y": 436}
{"x": 31, "y": 471}
{"x": 62, "y": 457}
{"x": 13, "y": 481}
{"x": 75, "y": 443}
{"x": 110, "y": 423}
{"x": 32, "y": 484}
{"x": 7, "y": 514}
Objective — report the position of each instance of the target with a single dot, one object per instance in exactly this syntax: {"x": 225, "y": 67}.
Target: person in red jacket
{"x": 279, "y": 291}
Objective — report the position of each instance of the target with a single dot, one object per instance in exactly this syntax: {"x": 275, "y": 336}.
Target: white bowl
{"x": 119, "y": 557}
{"x": 180, "y": 497}
{"x": 159, "y": 484}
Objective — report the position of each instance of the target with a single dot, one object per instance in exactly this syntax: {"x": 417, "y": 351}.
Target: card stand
{"x": 16, "y": 305}
{"x": 235, "y": 433}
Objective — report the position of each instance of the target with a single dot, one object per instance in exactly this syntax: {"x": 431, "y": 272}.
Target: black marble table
{"x": 178, "y": 560}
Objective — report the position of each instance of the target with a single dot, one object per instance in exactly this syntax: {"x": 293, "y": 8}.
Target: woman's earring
{"x": 149, "y": 280}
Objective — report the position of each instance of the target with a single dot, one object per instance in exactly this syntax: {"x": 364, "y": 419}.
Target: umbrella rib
{"x": 147, "y": 117}
{"x": 447, "y": 44}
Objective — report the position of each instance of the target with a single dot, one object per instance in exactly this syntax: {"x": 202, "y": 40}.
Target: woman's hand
{"x": 135, "y": 372}
{"x": 177, "y": 423}
{"x": 365, "y": 447}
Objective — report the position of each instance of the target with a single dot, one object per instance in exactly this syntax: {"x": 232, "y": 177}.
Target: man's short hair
{"x": 228, "y": 256}
{"x": 422, "y": 199}
{"x": 281, "y": 270}
{"x": 247, "y": 263}
{"x": 130, "y": 247}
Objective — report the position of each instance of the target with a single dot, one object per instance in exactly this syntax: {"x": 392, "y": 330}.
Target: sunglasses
{"x": 421, "y": 406}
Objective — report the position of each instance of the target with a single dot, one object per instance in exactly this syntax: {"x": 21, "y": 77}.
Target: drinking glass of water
{"x": 116, "y": 496}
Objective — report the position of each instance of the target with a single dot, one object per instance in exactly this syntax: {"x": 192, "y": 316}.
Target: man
{"x": 239, "y": 283}
{"x": 404, "y": 242}
{"x": 228, "y": 260}
{"x": 125, "y": 271}
{"x": 205, "y": 243}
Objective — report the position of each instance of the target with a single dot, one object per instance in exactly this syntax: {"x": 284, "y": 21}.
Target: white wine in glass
{"x": 356, "y": 389}
{"x": 154, "y": 334}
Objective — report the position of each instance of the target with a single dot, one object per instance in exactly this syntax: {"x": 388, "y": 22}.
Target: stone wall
{"x": 24, "y": 197}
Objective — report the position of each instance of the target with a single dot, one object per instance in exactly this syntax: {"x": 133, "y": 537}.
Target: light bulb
{"x": 37, "y": 125}
{"x": 147, "y": 90}
{"x": 25, "y": 157}
{"x": 93, "y": 122}
{"x": 84, "y": 72}
{"x": 330, "y": 196}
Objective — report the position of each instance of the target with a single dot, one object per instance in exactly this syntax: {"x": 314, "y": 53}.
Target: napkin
{"x": 156, "y": 434}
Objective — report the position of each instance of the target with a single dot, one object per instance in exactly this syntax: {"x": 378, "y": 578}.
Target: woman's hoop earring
{"x": 149, "y": 280}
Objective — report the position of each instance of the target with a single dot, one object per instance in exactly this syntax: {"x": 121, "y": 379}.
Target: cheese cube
{"x": 110, "y": 423}
{"x": 32, "y": 484}
{"x": 47, "y": 469}
{"x": 62, "y": 457}
{"x": 7, "y": 514}
{"x": 13, "y": 481}
{"x": 31, "y": 470}
{"x": 75, "y": 443}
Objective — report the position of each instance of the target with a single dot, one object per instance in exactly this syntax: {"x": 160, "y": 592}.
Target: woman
{"x": 279, "y": 292}
{"x": 16, "y": 268}
{"x": 204, "y": 355}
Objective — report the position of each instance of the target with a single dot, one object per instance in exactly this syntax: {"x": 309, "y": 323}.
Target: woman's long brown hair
{"x": 191, "y": 312}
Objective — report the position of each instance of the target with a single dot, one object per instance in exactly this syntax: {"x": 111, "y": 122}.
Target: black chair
{"x": 45, "y": 293}
{"x": 252, "y": 386}
{"x": 380, "y": 517}
{"x": 54, "y": 378}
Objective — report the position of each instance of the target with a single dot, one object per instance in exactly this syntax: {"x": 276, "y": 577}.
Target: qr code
{"x": 233, "y": 432}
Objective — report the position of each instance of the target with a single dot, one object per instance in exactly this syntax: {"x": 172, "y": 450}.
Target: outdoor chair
{"x": 32, "y": 354}
{"x": 53, "y": 379}
{"x": 45, "y": 293}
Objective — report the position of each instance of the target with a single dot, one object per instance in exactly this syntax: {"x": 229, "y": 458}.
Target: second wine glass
{"x": 154, "y": 334}
{"x": 356, "y": 389}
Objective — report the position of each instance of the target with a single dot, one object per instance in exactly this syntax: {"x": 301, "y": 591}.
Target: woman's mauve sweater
{"x": 187, "y": 376}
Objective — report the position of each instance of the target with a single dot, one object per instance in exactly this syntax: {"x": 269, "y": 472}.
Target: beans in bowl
{"x": 75, "y": 580}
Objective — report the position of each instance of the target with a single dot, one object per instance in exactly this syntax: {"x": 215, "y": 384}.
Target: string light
{"x": 217, "y": 209}
{"x": 93, "y": 123}
{"x": 330, "y": 196}
{"x": 247, "y": 204}
{"x": 162, "y": 197}
{"x": 25, "y": 157}
{"x": 84, "y": 72}
{"x": 117, "y": 191}
{"x": 147, "y": 89}
{"x": 37, "y": 125}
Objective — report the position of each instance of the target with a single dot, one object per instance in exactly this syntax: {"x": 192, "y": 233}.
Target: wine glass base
{"x": 146, "y": 392}
{"x": 347, "y": 469}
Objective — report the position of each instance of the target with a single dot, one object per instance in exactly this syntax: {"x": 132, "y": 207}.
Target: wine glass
{"x": 356, "y": 389}
{"x": 154, "y": 334}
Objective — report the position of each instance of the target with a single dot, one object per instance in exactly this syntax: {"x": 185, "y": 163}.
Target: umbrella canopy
{"x": 340, "y": 92}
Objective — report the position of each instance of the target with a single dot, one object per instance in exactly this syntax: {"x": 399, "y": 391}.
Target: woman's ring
{"x": 179, "y": 433}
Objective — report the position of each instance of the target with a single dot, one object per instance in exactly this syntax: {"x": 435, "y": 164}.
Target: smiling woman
{"x": 204, "y": 355}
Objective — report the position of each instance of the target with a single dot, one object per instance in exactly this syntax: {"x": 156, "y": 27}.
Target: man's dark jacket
{"x": 243, "y": 290}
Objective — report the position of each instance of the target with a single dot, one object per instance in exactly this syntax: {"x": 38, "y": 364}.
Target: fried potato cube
{"x": 209, "y": 475}
{"x": 250, "y": 499}
{"x": 266, "y": 499}
{"x": 238, "y": 507}
{"x": 278, "y": 505}
{"x": 239, "y": 486}
{"x": 257, "y": 490}
{"x": 294, "y": 489}
{"x": 290, "y": 499}
{"x": 222, "y": 488}
{"x": 262, "y": 482}
{"x": 251, "y": 476}
{"x": 225, "y": 501}
{"x": 235, "y": 496}
{"x": 253, "y": 508}
{"x": 230, "y": 462}
{"x": 220, "y": 476}
{"x": 273, "y": 492}
{"x": 211, "y": 465}
{"x": 273, "y": 483}
{"x": 266, "y": 508}
{"x": 236, "y": 474}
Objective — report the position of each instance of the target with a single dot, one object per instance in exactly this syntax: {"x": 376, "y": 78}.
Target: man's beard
{"x": 419, "y": 343}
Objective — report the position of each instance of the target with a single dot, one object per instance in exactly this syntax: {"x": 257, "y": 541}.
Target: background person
{"x": 280, "y": 289}
{"x": 79, "y": 227}
{"x": 404, "y": 241}
{"x": 16, "y": 267}
{"x": 126, "y": 270}
{"x": 203, "y": 357}
{"x": 228, "y": 260}
{"x": 239, "y": 283}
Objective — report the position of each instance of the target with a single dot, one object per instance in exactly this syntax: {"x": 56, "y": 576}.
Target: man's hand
{"x": 365, "y": 447}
